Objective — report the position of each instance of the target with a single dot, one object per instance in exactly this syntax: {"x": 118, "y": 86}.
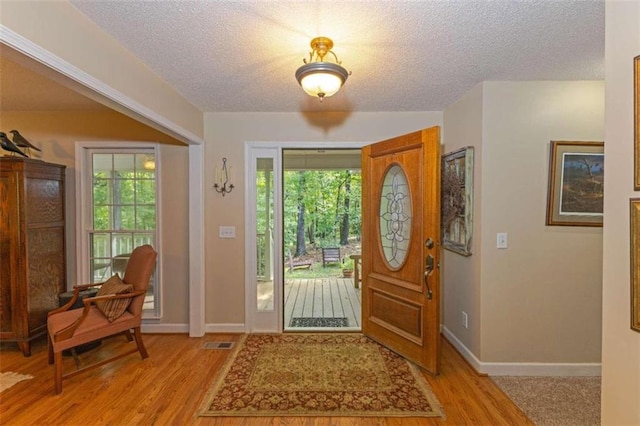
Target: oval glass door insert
{"x": 395, "y": 217}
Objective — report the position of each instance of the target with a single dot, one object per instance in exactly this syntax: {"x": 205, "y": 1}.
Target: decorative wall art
{"x": 635, "y": 263}
{"x": 457, "y": 200}
{"x": 576, "y": 184}
{"x": 636, "y": 94}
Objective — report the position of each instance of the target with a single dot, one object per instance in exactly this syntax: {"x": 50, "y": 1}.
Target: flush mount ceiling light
{"x": 320, "y": 78}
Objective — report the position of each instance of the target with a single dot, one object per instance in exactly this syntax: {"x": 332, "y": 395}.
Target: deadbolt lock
{"x": 429, "y": 243}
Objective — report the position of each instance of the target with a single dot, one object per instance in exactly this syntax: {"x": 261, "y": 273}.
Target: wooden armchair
{"x": 70, "y": 328}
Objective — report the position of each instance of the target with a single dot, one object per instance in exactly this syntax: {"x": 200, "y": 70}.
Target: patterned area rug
{"x": 318, "y": 375}
{"x": 8, "y": 379}
{"x": 319, "y": 322}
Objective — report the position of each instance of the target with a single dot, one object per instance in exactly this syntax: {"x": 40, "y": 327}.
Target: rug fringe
{"x": 9, "y": 378}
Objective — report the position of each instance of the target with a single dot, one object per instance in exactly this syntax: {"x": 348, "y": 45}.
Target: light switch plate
{"x": 502, "y": 240}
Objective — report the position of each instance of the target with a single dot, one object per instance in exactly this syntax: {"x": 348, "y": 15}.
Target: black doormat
{"x": 319, "y": 322}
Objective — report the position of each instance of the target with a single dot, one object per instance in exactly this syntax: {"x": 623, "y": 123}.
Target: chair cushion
{"x": 94, "y": 327}
{"x": 112, "y": 309}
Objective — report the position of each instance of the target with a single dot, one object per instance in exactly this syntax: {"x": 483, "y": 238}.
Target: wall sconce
{"x": 222, "y": 185}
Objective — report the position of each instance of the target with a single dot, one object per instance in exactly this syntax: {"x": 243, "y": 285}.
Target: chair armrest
{"x": 81, "y": 287}
{"x": 67, "y": 332}
{"x": 76, "y": 293}
{"x": 89, "y": 300}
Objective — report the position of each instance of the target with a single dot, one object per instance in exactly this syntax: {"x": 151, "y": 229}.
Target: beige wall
{"x": 82, "y": 44}
{"x": 548, "y": 283}
{"x": 461, "y": 275}
{"x": 225, "y": 134}
{"x": 56, "y": 133}
{"x": 540, "y": 299}
{"x": 620, "y": 345}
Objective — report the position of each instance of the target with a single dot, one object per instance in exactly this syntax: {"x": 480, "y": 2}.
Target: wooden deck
{"x": 316, "y": 298}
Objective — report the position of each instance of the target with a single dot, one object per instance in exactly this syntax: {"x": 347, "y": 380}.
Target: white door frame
{"x": 256, "y": 321}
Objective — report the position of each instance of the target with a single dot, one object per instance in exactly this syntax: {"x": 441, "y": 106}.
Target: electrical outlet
{"x": 227, "y": 232}
{"x": 465, "y": 319}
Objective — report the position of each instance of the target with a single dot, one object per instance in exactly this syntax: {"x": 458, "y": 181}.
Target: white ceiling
{"x": 405, "y": 55}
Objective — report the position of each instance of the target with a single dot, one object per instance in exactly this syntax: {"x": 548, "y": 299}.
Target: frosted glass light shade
{"x": 321, "y": 79}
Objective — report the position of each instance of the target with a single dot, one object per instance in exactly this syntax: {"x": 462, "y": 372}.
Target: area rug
{"x": 8, "y": 379}
{"x": 555, "y": 401}
{"x": 318, "y": 375}
{"x": 319, "y": 322}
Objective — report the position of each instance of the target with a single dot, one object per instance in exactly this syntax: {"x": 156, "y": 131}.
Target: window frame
{"x": 84, "y": 209}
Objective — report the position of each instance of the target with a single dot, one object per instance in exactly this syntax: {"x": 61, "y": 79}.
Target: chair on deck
{"x": 116, "y": 309}
{"x": 330, "y": 255}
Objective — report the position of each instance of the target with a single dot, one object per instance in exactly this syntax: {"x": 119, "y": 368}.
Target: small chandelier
{"x": 320, "y": 78}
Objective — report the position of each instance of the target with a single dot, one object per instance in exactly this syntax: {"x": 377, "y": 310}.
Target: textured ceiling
{"x": 405, "y": 56}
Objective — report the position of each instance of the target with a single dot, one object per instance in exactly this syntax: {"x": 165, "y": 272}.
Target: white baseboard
{"x": 224, "y": 328}
{"x": 522, "y": 368}
{"x": 184, "y": 328}
{"x": 165, "y": 328}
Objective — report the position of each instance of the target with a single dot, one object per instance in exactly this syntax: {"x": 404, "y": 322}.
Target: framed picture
{"x": 636, "y": 115}
{"x": 635, "y": 263}
{"x": 576, "y": 184}
{"x": 457, "y": 200}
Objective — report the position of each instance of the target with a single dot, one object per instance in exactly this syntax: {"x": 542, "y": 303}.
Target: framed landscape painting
{"x": 576, "y": 184}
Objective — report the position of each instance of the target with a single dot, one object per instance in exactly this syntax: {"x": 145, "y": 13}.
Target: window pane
{"x": 145, "y": 166}
{"x": 146, "y": 192}
{"x": 100, "y": 270}
{"x": 146, "y": 217}
{"x": 101, "y": 191}
{"x": 142, "y": 239}
{"x": 123, "y": 165}
{"x": 100, "y": 245}
{"x": 122, "y": 244}
{"x": 123, "y": 191}
{"x": 124, "y": 218}
{"x": 264, "y": 226}
{"x": 101, "y": 217}
{"x": 102, "y": 165}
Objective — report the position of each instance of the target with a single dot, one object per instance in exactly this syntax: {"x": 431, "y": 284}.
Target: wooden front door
{"x": 401, "y": 245}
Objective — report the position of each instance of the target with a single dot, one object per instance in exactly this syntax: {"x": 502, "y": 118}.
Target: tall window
{"x": 122, "y": 212}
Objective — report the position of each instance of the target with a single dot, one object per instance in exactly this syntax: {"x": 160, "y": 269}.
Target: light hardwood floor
{"x": 168, "y": 387}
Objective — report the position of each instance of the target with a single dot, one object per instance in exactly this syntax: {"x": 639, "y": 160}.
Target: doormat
{"x": 318, "y": 374}
{"x": 319, "y": 322}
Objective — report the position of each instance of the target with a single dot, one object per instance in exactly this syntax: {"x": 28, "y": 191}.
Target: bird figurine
{"x": 22, "y": 142}
{"x": 7, "y": 145}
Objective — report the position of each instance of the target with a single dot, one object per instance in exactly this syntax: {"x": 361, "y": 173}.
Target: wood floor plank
{"x": 168, "y": 387}
{"x": 327, "y": 302}
{"x": 307, "y": 310}
{"x": 291, "y": 290}
{"x": 318, "y": 304}
{"x": 336, "y": 301}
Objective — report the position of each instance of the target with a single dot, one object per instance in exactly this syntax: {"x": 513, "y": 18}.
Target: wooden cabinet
{"x": 32, "y": 247}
